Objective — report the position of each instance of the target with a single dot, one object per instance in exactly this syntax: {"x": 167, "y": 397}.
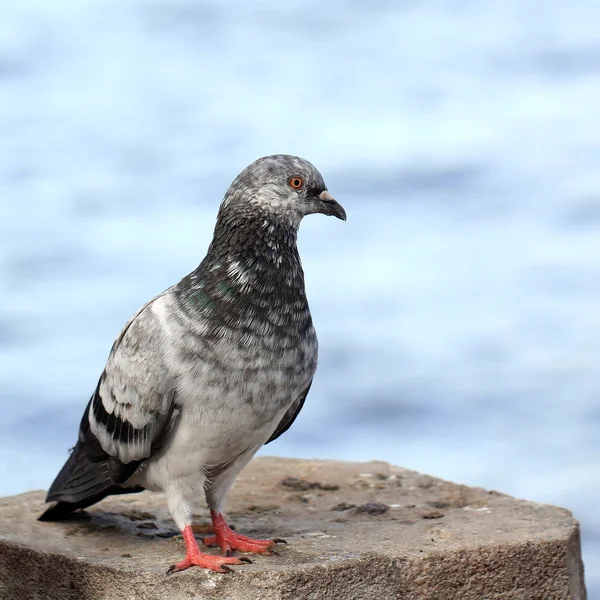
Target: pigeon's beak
{"x": 329, "y": 206}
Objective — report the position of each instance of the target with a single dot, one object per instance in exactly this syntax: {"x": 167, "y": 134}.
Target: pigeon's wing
{"x": 129, "y": 416}
{"x": 133, "y": 408}
{"x": 290, "y": 415}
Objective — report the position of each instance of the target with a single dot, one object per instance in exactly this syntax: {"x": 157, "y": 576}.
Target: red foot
{"x": 193, "y": 557}
{"x": 228, "y": 540}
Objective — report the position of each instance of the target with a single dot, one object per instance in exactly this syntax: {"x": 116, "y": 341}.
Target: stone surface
{"x": 355, "y": 531}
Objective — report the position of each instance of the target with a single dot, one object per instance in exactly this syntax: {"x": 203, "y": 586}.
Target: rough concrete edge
{"x": 575, "y": 566}
{"x": 91, "y": 581}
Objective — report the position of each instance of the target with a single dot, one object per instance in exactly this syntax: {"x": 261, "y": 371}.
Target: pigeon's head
{"x": 285, "y": 188}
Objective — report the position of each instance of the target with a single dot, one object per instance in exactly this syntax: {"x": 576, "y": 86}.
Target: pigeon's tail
{"x": 80, "y": 483}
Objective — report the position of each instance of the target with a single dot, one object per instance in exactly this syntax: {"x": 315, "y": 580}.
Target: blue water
{"x": 459, "y": 307}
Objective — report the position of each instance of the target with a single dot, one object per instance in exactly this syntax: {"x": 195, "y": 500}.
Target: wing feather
{"x": 134, "y": 397}
{"x": 290, "y": 416}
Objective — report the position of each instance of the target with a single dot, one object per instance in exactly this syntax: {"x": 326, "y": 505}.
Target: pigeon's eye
{"x": 296, "y": 182}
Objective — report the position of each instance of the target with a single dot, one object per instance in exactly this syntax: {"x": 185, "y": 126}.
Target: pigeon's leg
{"x": 193, "y": 557}
{"x": 216, "y": 490}
{"x": 179, "y": 491}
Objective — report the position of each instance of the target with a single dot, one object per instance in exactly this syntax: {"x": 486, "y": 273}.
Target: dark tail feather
{"x": 80, "y": 483}
{"x": 63, "y": 510}
{"x": 79, "y": 478}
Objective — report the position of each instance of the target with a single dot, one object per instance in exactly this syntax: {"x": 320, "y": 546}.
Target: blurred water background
{"x": 458, "y": 309}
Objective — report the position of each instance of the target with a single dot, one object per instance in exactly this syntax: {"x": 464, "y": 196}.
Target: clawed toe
{"x": 228, "y": 540}
{"x": 193, "y": 557}
{"x": 220, "y": 564}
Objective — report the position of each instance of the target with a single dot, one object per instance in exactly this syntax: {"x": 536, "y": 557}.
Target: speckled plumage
{"x": 214, "y": 367}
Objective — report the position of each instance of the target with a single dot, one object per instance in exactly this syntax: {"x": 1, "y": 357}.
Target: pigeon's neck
{"x": 256, "y": 244}
{"x": 251, "y": 272}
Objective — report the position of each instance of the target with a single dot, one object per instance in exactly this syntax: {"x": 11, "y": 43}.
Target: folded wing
{"x": 128, "y": 418}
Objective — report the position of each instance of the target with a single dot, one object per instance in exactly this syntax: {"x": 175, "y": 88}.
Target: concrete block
{"x": 355, "y": 531}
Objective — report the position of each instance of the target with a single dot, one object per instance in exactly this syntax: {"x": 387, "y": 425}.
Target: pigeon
{"x": 210, "y": 370}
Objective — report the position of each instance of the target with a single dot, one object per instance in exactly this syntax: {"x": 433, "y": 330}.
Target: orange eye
{"x": 296, "y": 182}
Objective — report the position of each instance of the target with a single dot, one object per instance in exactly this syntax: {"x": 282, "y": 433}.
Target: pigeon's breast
{"x": 236, "y": 381}
{"x": 260, "y": 372}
